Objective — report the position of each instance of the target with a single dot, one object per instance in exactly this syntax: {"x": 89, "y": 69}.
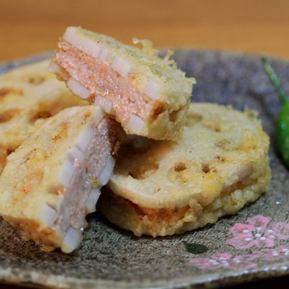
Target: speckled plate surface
{"x": 250, "y": 245}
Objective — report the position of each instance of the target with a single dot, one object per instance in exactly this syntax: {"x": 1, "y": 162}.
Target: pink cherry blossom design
{"x": 281, "y": 230}
{"x": 258, "y": 232}
{"x": 283, "y": 251}
{"x": 224, "y": 260}
{"x": 215, "y": 261}
{"x": 271, "y": 254}
{"x": 259, "y": 221}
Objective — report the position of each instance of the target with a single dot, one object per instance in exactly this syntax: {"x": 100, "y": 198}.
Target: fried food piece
{"x": 3, "y": 157}
{"x": 163, "y": 188}
{"x": 52, "y": 180}
{"x": 28, "y": 96}
{"x": 147, "y": 94}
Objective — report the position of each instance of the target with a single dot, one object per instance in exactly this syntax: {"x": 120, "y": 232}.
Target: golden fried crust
{"x": 171, "y": 187}
{"x": 29, "y": 95}
{"x": 177, "y": 220}
{"x": 3, "y": 156}
{"x": 53, "y": 179}
{"x": 218, "y": 147}
{"x": 148, "y": 95}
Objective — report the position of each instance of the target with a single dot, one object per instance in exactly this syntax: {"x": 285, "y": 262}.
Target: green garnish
{"x": 282, "y": 123}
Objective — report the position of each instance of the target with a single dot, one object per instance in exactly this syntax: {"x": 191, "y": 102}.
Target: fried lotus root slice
{"x": 162, "y": 188}
{"x": 147, "y": 94}
{"x": 53, "y": 180}
{"x": 29, "y": 95}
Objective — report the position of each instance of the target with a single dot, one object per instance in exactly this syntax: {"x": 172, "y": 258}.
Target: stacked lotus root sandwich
{"x": 125, "y": 125}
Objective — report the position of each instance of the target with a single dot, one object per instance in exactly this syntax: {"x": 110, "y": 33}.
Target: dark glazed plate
{"x": 250, "y": 245}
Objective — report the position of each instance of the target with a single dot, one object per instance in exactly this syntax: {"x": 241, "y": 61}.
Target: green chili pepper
{"x": 282, "y": 124}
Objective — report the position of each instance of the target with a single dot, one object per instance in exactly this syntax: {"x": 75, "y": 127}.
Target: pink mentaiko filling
{"x": 100, "y": 79}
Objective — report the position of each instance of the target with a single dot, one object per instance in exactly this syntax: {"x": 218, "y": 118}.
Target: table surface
{"x": 255, "y": 26}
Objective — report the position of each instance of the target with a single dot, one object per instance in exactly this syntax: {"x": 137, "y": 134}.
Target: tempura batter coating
{"x": 147, "y": 94}
{"x": 218, "y": 165}
{"x": 29, "y": 95}
{"x": 52, "y": 180}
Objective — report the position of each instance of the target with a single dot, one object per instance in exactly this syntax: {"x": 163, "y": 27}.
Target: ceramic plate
{"x": 250, "y": 245}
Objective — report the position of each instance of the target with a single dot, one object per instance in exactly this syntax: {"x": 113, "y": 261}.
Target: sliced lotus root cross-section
{"x": 218, "y": 165}
{"x": 29, "y": 95}
{"x": 147, "y": 94}
{"x": 53, "y": 179}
